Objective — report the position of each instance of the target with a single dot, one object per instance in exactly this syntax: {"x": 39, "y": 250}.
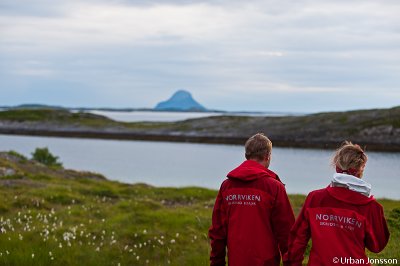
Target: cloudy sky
{"x": 270, "y": 55}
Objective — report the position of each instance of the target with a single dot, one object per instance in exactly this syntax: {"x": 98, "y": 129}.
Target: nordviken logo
{"x": 243, "y": 199}
{"x": 342, "y": 222}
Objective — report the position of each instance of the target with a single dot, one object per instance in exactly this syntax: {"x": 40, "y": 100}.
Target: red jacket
{"x": 252, "y": 217}
{"x": 341, "y": 224}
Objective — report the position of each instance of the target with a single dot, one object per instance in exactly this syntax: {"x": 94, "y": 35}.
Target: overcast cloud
{"x": 301, "y": 56}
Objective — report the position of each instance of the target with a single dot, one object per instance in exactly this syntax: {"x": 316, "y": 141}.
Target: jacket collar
{"x": 250, "y": 170}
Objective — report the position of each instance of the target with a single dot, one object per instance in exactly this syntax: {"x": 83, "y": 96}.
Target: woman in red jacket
{"x": 342, "y": 219}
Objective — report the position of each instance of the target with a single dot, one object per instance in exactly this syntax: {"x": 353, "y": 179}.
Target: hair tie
{"x": 350, "y": 171}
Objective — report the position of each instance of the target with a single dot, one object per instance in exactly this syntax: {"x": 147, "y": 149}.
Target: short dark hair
{"x": 257, "y": 146}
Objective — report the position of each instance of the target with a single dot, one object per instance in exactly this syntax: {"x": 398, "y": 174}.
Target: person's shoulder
{"x": 317, "y": 194}
{"x": 224, "y": 184}
{"x": 374, "y": 204}
{"x": 273, "y": 182}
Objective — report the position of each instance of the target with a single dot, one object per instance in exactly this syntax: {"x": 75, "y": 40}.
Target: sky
{"x": 269, "y": 55}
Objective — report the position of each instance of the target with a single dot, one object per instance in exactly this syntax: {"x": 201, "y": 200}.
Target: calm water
{"x": 205, "y": 165}
{"x": 137, "y": 116}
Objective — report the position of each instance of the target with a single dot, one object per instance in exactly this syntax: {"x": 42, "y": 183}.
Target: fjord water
{"x": 205, "y": 165}
{"x": 165, "y": 116}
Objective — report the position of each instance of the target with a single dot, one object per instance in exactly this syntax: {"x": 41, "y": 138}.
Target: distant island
{"x": 180, "y": 101}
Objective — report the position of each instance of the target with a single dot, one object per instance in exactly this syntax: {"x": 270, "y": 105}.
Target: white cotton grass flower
{"x": 67, "y": 236}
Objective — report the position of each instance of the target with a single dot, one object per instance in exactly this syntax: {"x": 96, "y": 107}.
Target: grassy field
{"x": 52, "y": 216}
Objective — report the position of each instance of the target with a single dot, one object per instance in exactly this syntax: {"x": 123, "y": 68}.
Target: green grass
{"x": 65, "y": 117}
{"x": 47, "y": 219}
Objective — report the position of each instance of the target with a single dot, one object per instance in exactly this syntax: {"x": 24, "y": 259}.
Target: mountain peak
{"x": 181, "y": 100}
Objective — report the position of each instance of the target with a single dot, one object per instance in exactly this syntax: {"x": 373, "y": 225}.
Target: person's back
{"x": 252, "y": 215}
{"x": 342, "y": 219}
{"x": 342, "y": 223}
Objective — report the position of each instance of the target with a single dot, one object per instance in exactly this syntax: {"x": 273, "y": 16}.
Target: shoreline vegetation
{"x": 54, "y": 216}
{"x": 377, "y": 129}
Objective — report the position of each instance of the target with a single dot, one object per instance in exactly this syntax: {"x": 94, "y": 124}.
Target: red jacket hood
{"x": 349, "y": 196}
{"x": 250, "y": 170}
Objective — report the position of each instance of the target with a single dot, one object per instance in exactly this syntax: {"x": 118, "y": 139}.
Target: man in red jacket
{"x": 342, "y": 219}
{"x": 252, "y": 215}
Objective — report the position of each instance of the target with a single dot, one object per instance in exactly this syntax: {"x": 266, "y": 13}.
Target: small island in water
{"x": 180, "y": 101}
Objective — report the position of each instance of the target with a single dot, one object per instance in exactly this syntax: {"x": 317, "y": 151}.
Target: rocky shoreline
{"x": 231, "y": 140}
{"x": 377, "y": 129}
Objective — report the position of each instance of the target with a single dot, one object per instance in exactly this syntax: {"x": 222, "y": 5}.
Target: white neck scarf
{"x": 351, "y": 182}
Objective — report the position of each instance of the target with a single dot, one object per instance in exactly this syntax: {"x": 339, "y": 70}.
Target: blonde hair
{"x": 349, "y": 156}
{"x": 257, "y": 147}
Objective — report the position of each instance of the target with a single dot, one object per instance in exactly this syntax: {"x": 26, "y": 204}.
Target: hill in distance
{"x": 181, "y": 101}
